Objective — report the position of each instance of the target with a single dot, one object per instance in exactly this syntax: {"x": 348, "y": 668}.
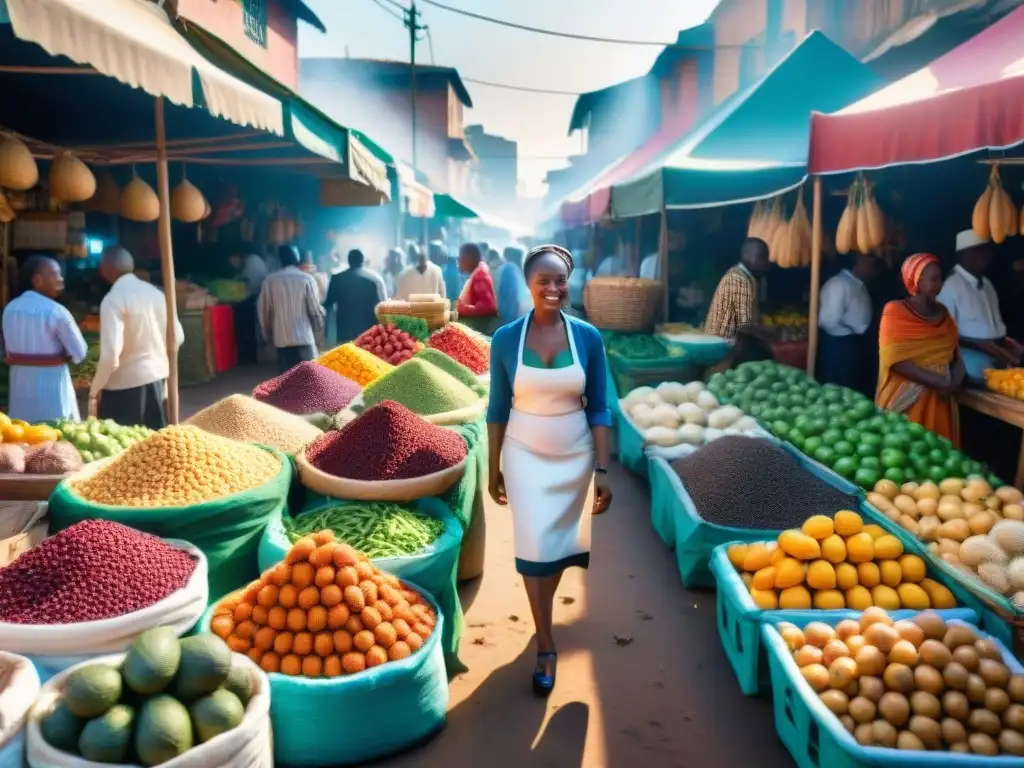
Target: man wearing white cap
{"x": 972, "y": 301}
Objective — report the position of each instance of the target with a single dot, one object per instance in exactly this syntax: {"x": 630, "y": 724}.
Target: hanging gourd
{"x": 139, "y": 202}
{"x": 7, "y": 214}
{"x": 71, "y": 181}
{"x": 1001, "y": 222}
{"x": 980, "y": 216}
{"x": 108, "y": 195}
{"x": 187, "y": 202}
{"x": 874, "y": 219}
{"x": 800, "y": 233}
{"x": 18, "y": 169}
{"x": 207, "y": 210}
{"x": 756, "y": 225}
{"x": 846, "y": 232}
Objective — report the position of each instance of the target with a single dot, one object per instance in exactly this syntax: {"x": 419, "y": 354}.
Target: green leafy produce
{"x": 99, "y": 438}
{"x": 414, "y": 326}
{"x": 841, "y": 428}
{"x": 377, "y": 529}
{"x": 639, "y": 346}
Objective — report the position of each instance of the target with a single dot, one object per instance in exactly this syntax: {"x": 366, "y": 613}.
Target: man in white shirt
{"x": 289, "y": 310}
{"x": 129, "y": 385}
{"x": 650, "y": 267}
{"x": 971, "y": 299}
{"x": 844, "y": 317}
{"x": 394, "y": 263}
{"x": 421, "y": 277}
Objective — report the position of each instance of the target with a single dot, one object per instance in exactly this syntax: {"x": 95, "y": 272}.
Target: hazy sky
{"x": 539, "y": 122}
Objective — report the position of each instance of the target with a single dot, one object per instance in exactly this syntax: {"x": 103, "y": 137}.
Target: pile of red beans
{"x": 387, "y": 442}
{"x": 308, "y": 388}
{"x": 93, "y": 570}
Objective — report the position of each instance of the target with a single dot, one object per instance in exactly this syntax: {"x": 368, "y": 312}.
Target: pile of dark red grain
{"x": 387, "y": 442}
{"x": 308, "y": 388}
{"x": 94, "y": 570}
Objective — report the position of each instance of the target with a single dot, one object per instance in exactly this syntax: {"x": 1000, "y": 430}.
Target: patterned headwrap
{"x": 557, "y": 250}
{"x": 914, "y": 267}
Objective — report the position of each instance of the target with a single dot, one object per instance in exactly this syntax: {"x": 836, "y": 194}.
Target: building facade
{"x": 494, "y": 176}
{"x": 375, "y": 97}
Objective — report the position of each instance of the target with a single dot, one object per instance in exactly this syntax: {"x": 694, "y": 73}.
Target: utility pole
{"x": 411, "y": 19}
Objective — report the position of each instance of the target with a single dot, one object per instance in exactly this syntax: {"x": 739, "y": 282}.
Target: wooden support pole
{"x": 663, "y": 263}
{"x": 163, "y": 190}
{"x": 812, "y": 315}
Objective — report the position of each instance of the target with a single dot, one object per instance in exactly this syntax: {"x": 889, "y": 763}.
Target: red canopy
{"x": 595, "y": 202}
{"x": 966, "y": 100}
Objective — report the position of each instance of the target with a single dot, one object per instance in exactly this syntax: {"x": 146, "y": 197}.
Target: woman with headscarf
{"x": 920, "y": 367}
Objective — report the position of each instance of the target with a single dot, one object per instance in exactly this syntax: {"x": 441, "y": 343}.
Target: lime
{"x": 846, "y": 466}
{"x": 896, "y": 440}
{"x": 916, "y": 430}
{"x": 812, "y": 444}
{"x": 863, "y": 410}
{"x": 872, "y": 439}
{"x": 867, "y": 449}
{"x": 796, "y": 437}
{"x": 780, "y": 429}
{"x": 898, "y": 476}
{"x": 867, "y": 478}
{"x": 936, "y": 456}
{"x": 802, "y": 421}
{"x": 995, "y": 482}
{"x": 825, "y": 455}
{"x": 853, "y": 436}
{"x": 892, "y": 457}
{"x": 936, "y": 474}
{"x": 817, "y": 426}
{"x": 831, "y": 436}
{"x": 871, "y": 462}
{"x": 844, "y": 448}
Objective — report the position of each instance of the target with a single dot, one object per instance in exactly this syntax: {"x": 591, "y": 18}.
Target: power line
{"x": 540, "y": 31}
{"x": 430, "y": 43}
{"x": 390, "y": 11}
{"x": 523, "y": 88}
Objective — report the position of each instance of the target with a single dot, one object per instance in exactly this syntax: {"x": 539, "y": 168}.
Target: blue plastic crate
{"x": 695, "y": 538}
{"x": 968, "y": 592}
{"x": 739, "y": 621}
{"x": 662, "y": 498}
{"x": 816, "y": 739}
{"x": 631, "y": 446}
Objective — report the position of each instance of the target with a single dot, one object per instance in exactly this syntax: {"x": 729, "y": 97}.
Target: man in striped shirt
{"x": 289, "y": 310}
{"x": 734, "y": 312}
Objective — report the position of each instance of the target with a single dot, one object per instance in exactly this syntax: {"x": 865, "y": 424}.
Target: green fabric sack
{"x": 227, "y": 530}
{"x": 461, "y": 498}
{"x": 435, "y": 568}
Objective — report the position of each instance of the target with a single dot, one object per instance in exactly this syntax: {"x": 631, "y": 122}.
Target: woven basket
{"x": 622, "y": 303}
{"x": 377, "y": 490}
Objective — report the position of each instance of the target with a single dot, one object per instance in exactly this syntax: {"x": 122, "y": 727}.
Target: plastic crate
{"x": 815, "y": 738}
{"x": 967, "y": 592}
{"x": 739, "y": 621}
{"x": 695, "y": 538}
{"x": 631, "y": 445}
{"x": 663, "y": 493}
{"x": 630, "y": 374}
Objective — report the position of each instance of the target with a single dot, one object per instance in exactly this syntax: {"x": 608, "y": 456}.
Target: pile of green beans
{"x": 377, "y": 529}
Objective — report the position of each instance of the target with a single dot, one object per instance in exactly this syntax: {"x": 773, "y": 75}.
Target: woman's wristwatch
{"x": 599, "y": 470}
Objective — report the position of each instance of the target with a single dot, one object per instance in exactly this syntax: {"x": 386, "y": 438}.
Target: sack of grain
{"x": 243, "y": 418}
{"x": 19, "y": 687}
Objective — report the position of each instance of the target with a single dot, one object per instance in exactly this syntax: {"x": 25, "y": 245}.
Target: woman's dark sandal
{"x": 544, "y": 683}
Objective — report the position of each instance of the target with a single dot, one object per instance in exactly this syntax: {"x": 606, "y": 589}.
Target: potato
{"x": 949, "y": 512}
{"x": 1012, "y": 512}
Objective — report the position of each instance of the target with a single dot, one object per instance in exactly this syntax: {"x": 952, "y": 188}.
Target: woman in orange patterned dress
{"x": 920, "y": 367}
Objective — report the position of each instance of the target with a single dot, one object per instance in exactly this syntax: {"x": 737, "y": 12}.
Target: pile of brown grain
{"x": 250, "y": 421}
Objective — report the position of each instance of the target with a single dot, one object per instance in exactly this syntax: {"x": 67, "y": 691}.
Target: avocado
{"x": 239, "y": 682}
{"x": 163, "y": 730}
{"x": 61, "y": 729}
{"x": 152, "y": 660}
{"x": 204, "y": 666}
{"x": 214, "y": 714}
{"x": 108, "y": 739}
{"x": 92, "y": 690}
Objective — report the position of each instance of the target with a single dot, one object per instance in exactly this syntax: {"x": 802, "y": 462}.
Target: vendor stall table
{"x": 28, "y": 487}
{"x": 998, "y": 407}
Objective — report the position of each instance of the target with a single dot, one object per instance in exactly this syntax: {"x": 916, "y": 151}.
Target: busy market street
{"x": 445, "y": 382}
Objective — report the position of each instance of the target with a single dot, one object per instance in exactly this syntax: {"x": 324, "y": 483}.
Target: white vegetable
{"x": 691, "y": 413}
{"x": 662, "y": 436}
{"x": 692, "y": 390}
{"x": 664, "y": 415}
{"x": 671, "y": 392}
{"x": 637, "y": 396}
{"x": 707, "y": 401}
{"x": 746, "y": 424}
{"x": 711, "y": 434}
{"x": 642, "y": 416}
{"x": 693, "y": 434}
{"x": 653, "y": 399}
{"x": 723, "y": 417}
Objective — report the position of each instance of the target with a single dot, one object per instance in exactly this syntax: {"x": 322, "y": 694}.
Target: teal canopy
{"x": 753, "y": 145}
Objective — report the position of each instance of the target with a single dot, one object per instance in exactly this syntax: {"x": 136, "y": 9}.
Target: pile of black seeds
{"x": 746, "y": 482}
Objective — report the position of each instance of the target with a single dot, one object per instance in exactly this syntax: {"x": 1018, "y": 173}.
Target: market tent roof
{"x": 754, "y": 144}
{"x": 966, "y": 100}
{"x": 449, "y": 206}
{"x": 134, "y": 42}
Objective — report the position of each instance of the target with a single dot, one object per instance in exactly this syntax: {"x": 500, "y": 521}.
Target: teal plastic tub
{"x": 663, "y": 494}
{"x": 695, "y": 538}
{"x": 816, "y": 739}
{"x": 631, "y": 446}
{"x": 739, "y": 621}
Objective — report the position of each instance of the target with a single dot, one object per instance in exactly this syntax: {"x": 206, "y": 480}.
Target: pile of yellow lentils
{"x": 355, "y": 363}
{"x": 179, "y": 466}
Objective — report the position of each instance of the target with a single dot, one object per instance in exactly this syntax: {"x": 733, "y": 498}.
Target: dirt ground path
{"x": 661, "y": 695}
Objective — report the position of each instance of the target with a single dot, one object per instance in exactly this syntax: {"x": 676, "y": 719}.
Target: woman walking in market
{"x": 919, "y": 367}
{"x": 548, "y": 426}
